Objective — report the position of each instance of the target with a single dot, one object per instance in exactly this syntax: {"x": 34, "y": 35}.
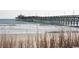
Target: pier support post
{"x": 77, "y": 23}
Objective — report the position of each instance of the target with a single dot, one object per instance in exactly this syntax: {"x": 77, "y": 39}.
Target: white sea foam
{"x": 32, "y": 28}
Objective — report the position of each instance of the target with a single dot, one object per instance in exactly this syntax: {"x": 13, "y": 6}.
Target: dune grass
{"x": 44, "y": 40}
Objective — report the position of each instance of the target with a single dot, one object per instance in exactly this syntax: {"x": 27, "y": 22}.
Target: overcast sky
{"x": 14, "y": 13}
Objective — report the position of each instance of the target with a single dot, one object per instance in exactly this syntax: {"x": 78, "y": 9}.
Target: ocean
{"x": 11, "y": 26}
{"x": 10, "y": 21}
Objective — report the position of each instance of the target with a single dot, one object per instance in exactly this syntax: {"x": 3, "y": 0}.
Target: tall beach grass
{"x": 41, "y": 40}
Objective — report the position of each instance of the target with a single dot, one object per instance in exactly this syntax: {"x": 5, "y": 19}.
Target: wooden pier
{"x": 66, "y": 20}
{"x": 72, "y": 20}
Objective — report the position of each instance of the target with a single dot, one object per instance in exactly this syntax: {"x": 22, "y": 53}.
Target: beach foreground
{"x": 40, "y": 40}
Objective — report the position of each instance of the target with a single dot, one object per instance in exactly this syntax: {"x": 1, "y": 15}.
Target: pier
{"x": 72, "y": 20}
{"x": 66, "y": 20}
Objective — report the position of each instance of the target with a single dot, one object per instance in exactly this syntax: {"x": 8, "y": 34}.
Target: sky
{"x": 13, "y": 13}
